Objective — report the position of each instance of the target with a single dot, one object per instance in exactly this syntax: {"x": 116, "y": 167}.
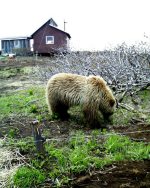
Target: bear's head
{"x": 104, "y": 95}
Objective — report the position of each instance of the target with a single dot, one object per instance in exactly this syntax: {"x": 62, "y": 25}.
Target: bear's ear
{"x": 111, "y": 103}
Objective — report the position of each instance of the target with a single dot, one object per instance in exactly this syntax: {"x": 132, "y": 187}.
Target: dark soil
{"x": 55, "y": 129}
{"x": 133, "y": 174}
{"x": 126, "y": 174}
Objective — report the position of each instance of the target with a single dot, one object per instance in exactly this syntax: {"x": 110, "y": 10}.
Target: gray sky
{"x": 92, "y": 24}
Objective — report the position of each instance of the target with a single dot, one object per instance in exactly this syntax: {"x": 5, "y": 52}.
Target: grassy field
{"x": 73, "y": 153}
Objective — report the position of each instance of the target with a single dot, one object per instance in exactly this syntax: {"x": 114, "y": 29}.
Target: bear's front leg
{"x": 108, "y": 119}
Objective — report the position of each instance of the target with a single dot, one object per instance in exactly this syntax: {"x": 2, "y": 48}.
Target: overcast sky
{"x": 92, "y": 24}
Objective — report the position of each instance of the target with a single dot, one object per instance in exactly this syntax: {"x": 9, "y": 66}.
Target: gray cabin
{"x": 13, "y": 45}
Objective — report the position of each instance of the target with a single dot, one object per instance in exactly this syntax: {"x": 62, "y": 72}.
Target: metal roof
{"x": 15, "y": 38}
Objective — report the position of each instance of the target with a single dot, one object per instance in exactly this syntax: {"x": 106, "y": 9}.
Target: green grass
{"x": 124, "y": 117}
{"x": 82, "y": 153}
{"x": 25, "y": 145}
{"x": 30, "y": 102}
{"x": 122, "y": 148}
{"x": 145, "y": 99}
{"x": 6, "y": 73}
{"x": 3, "y": 58}
{"x": 12, "y": 72}
{"x": 13, "y": 132}
{"x": 28, "y": 177}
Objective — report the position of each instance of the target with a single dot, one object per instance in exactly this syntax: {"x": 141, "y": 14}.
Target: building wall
{"x": 40, "y": 46}
{"x": 8, "y": 46}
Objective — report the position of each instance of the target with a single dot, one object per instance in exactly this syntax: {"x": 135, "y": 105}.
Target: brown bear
{"x": 92, "y": 93}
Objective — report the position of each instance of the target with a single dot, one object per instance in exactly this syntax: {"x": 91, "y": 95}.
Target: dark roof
{"x": 53, "y": 26}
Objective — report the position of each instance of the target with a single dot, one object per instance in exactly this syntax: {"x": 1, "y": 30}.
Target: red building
{"x": 48, "y": 39}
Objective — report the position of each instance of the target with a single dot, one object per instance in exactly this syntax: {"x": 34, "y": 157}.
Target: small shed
{"x": 48, "y": 39}
{"x": 15, "y": 44}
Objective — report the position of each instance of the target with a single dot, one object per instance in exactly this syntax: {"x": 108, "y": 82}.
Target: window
{"x": 49, "y": 39}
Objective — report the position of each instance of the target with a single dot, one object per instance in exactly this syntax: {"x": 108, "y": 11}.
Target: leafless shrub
{"x": 124, "y": 68}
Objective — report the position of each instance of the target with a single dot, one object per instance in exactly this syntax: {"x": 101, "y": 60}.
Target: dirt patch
{"x": 137, "y": 132}
{"x": 13, "y": 75}
{"x": 133, "y": 174}
{"x": 57, "y": 128}
{"x": 54, "y": 129}
{"x": 13, "y": 63}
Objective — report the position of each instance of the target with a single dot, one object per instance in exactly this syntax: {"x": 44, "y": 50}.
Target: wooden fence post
{"x": 38, "y": 139}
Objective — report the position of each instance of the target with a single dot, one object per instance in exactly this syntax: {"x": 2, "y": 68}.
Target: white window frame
{"x": 49, "y": 41}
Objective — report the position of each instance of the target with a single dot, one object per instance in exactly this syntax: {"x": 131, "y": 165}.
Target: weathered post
{"x": 38, "y": 139}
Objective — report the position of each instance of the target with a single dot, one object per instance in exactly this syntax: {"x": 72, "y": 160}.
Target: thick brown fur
{"x": 65, "y": 90}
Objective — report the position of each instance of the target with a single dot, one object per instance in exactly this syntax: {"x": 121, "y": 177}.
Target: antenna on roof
{"x": 65, "y": 25}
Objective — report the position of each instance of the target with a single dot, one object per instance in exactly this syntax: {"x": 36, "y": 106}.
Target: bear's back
{"x": 67, "y": 87}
